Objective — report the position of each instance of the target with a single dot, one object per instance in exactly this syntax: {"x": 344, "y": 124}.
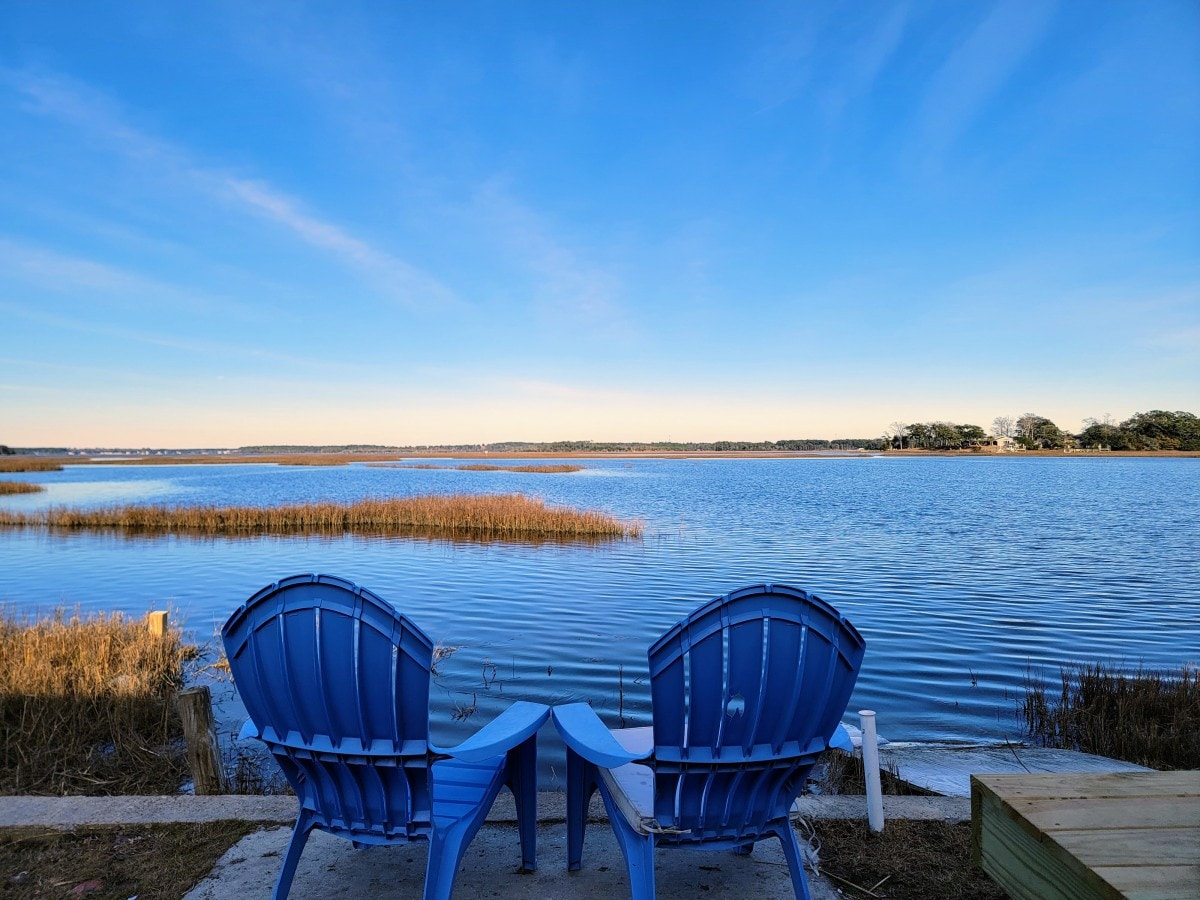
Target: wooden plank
{"x": 1154, "y": 882}
{"x": 1051, "y": 813}
{"x": 1030, "y": 869}
{"x": 1134, "y": 835}
{"x": 1131, "y": 847}
{"x": 1112, "y": 785}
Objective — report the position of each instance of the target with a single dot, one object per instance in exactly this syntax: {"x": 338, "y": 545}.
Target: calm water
{"x": 961, "y": 573}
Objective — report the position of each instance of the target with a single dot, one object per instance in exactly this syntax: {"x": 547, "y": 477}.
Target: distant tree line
{"x": 1154, "y": 430}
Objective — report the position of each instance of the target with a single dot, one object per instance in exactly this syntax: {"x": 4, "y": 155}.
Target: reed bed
{"x": 29, "y": 464}
{"x": 19, "y": 487}
{"x": 539, "y": 470}
{"x": 484, "y": 467}
{"x": 282, "y": 459}
{"x": 87, "y": 706}
{"x": 1149, "y": 717}
{"x": 476, "y": 514}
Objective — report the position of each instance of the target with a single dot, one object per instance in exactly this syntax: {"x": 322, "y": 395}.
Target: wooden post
{"x": 204, "y": 756}
{"x": 157, "y": 622}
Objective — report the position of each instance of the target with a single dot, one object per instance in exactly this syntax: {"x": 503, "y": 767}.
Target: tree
{"x": 1038, "y": 433}
{"x": 919, "y": 434}
{"x": 1103, "y": 433}
{"x": 898, "y": 431}
{"x": 971, "y": 435}
{"x": 1162, "y": 430}
{"x": 5, "y": 450}
{"x": 1002, "y": 426}
{"x": 945, "y": 435}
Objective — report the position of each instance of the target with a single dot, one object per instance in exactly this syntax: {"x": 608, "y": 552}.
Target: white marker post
{"x": 870, "y": 755}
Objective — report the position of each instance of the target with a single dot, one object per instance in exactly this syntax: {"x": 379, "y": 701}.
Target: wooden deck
{"x": 1129, "y": 834}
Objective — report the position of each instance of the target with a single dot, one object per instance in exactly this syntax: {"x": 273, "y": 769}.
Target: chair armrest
{"x": 249, "y": 730}
{"x": 585, "y": 734}
{"x": 840, "y": 740}
{"x": 510, "y": 729}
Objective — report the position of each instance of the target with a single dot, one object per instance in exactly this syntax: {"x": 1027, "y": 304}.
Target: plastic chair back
{"x": 334, "y": 677}
{"x": 746, "y": 691}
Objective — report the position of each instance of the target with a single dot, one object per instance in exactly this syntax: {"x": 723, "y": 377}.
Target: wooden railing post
{"x": 204, "y": 755}
{"x": 157, "y": 622}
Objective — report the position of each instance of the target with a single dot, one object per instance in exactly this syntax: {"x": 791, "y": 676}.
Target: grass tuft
{"x": 87, "y": 706}
{"x": 480, "y": 514}
{"x": 537, "y": 470}
{"x": 1148, "y": 717}
{"x": 19, "y": 487}
{"x": 552, "y": 469}
{"x": 28, "y": 464}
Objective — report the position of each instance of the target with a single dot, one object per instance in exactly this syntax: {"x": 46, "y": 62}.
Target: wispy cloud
{"x": 975, "y": 72}
{"x": 567, "y": 285}
{"x": 402, "y": 280}
{"x": 99, "y": 118}
{"x": 104, "y": 285}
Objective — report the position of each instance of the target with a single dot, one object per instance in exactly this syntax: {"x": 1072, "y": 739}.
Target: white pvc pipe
{"x": 870, "y": 754}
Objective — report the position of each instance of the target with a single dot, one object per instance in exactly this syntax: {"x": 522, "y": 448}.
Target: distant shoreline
{"x": 338, "y": 459}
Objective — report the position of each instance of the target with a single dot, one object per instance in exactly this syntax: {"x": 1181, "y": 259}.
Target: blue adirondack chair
{"x": 746, "y": 693}
{"x": 336, "y": 683}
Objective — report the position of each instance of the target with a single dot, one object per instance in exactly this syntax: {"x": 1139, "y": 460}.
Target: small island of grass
{"x": 471, "y": 515}
{"x": 29, "y": 464}
{"x": 549, "y": 469}
{"x": 19, "y": 487}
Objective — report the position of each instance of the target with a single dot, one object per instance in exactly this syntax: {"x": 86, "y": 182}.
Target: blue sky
{"x": 239, "y": 223}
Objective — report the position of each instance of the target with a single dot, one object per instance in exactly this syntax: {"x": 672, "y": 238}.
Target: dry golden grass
{"x": 19, "y": 487}
{"x": 29, "y": 464}
{"x": 484, "y": 467}
{"x": 477, "y": 514}
{"x": 1150, "y": 717}
{"x": 87, "y": 706}
{"x": 539, "y": 470}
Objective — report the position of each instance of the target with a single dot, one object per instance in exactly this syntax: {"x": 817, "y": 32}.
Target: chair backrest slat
{"x": 743, "y": 690}
{"x": 310, "y": 656}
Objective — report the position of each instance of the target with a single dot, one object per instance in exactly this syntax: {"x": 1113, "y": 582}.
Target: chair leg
{"x": 581, "y": 784}
{"x": 522, "y": 781}
{"x": 638, "y": 850}
{"x": 795, "y": 861}
{"x": 304, "y": 825}
{"x": 446, "y": 847}
{"x": 744, "y": 849}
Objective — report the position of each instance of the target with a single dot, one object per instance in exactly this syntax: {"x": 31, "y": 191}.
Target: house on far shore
{"x": 1007, "y": 445}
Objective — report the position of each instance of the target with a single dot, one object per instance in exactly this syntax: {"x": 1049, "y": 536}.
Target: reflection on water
{"x": 959, "y": 572}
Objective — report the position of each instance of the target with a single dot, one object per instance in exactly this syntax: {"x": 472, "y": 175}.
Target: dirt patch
{"x": 151, "y": 862}
{"x": 910, "y": 860}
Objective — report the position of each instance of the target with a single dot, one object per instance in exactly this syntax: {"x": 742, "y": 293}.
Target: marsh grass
{"x": 839, "y": 772}
{"x": 553, "y": 469}
{"x": 494, "y": 515}
{"x": 538, "y": 470}
{"x": 87, "y": 706}
{"x": 19, "y": 487}
{"x": 1149, "y": 717}
{"x": 29, "y": 464}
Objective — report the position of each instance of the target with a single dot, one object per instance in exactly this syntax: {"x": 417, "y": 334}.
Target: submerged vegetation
{"x": 1148, "y": 717}
{"x": 489, "y": 515}
{"x": 87, "y": 706}
{"x": 19, "y": 487}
